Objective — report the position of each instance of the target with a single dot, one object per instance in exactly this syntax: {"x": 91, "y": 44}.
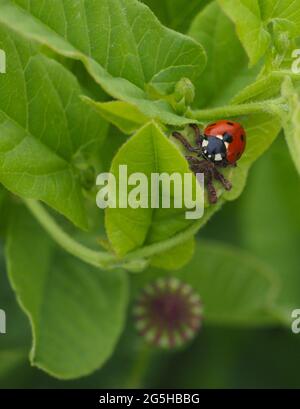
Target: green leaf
{"x": 43, "y": 126}
{"x": 148, "y": 151}
{"x": 259, "y": 23}
{"x": 176, "y": 14}
{"x": 227, "y": 69}
{"x": 123, "y": 115}
{"x": 76, "y": 312}
{"x": 291, "y": 120}
{"x": 176, "y": 257}
{"x": 247, "y": 17}
{"x": 109, "y": 37}
{"x": 235, "y": 287}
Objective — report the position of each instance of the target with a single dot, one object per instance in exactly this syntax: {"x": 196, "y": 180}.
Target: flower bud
{"x": 168, "y": 313}
{"x": 184, "y": 90}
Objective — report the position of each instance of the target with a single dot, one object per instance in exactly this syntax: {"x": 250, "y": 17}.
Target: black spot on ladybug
{"x": 230, "y": 123}
{"x": 242, "y": 138}
{"x": 227, "y": 137}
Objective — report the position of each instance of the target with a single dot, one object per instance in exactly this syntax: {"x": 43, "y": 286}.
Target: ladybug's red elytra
{"x": 221, "y": 145}
{"x": 233, "y": 141}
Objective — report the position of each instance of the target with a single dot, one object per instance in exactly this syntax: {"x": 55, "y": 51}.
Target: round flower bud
{"x": 168, "y": 313}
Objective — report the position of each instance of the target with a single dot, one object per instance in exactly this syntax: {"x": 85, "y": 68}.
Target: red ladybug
{"x": 224, "y": 141}
{"x": 221, "y": 145}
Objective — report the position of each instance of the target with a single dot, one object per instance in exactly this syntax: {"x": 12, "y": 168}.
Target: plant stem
{"x": 268, "y": 106}
{"x": 140, "y": 367}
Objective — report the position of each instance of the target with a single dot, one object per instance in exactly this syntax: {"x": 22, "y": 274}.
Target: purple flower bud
{"x": 168, "y": 313}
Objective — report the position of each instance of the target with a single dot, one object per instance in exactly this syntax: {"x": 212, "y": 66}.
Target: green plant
{"x": 81, "y": 77}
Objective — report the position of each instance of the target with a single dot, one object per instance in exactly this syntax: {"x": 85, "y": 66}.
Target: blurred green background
{"x": 265, "y": 222}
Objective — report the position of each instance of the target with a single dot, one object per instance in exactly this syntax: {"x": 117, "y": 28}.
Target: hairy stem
{"x": 268, "y": 106}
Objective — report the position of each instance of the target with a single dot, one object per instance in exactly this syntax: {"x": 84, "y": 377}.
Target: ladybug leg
{"x": 218, "y": 176}
{"x": 195, "y": 164}
{"x": 198, "y": 166}
{"x": 203, "y": 166}
{"x": 212, "y": 194}
{"x": 184, "y": 142}
{"x": 198, "y": 136}
{"x": 193, "y": 161}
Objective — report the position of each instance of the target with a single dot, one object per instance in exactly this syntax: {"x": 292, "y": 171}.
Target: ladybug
{"x": 221, "y": 145}
{"x": 224, "y": 141}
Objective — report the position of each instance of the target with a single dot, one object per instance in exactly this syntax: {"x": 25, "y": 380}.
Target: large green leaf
{"x": 235, "y": 288}
{"x": 148, "y": 151}
{"x": 110, "y": 38}
{"x": 258, "y": 23}
{"x": 43, "y": 126}
{"x": 76, "y": 312}
{"x": 227, "y": 69}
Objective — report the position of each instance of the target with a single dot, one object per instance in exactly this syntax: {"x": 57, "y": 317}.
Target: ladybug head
{"x": 214, "y": 148}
